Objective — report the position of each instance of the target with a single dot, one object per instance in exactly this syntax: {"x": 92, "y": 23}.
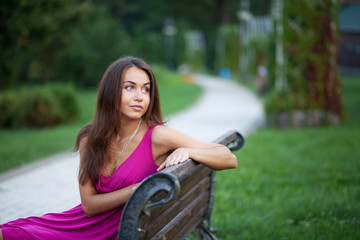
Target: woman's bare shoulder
{"x": 162, "y": 134}
{"x": 173, "y": 138}
{"x": 158, "y": 134}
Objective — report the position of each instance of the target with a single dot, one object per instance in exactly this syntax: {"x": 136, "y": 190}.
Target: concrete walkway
{"x": 50, "y": 185}
{"x": 224, "y": 106}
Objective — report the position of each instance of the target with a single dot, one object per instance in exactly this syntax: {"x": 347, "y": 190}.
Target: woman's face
{"x": 135, "y": 97}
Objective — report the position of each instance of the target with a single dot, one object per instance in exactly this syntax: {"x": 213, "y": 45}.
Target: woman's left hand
{"x": 180, "y": 155}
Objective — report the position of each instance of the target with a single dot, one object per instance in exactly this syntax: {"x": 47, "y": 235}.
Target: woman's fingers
{"x": 178, "y": 156}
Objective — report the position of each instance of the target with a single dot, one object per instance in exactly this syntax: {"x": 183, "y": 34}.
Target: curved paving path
{"x": 50, "y": 185}
{"x": 224, "y": 106}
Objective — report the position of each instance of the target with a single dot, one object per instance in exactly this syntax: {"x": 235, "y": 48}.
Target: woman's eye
{"x": 128, "y": 88}
{"x": 145, "y": 90}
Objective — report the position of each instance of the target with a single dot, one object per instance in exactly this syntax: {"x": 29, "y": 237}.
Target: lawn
{"x": 22, "y": 146}
{"x": 295, "y": 183}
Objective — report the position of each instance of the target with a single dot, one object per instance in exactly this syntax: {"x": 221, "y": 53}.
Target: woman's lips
{"x": 136, "y": 107}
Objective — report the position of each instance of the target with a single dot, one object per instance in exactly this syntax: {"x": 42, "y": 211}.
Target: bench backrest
{"x": 172, "y": 203}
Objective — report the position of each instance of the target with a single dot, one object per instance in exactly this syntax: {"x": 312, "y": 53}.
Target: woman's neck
{"x": 128, "y": 127}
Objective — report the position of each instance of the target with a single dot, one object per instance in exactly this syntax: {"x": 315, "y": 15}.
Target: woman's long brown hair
{"x": 106, "y": 122}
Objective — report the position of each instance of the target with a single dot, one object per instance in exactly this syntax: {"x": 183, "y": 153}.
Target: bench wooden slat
{"x": 189, "y": 225}
{"x": 178, "y": 226}
{"x": 188, "y": 183}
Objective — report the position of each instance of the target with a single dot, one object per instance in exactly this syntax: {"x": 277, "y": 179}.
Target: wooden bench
{"x": 174, "y": 202}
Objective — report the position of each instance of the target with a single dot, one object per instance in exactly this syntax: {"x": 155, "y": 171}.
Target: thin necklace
{"x": 123, "y": 140}
{"x": 117, "y": 147}
{"x": 125, "y": 146}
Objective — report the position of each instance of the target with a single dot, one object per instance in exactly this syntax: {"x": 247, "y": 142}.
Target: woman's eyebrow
{"x": 131, "y": 82}
{"x": 134, "y": 83}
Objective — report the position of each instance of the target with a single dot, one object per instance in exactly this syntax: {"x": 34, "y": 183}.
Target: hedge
{"x": 42, "y": 106}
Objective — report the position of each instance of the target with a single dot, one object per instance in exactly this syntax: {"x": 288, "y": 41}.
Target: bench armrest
{"x": 139, "y": 201}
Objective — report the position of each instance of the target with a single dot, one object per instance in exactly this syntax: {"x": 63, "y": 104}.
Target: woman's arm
{"x": 183, "y": 147}
{"x": 94, "y": 203}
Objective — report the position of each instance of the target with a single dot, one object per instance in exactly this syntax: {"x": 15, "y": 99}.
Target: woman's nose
{"x": 138, "y": 95}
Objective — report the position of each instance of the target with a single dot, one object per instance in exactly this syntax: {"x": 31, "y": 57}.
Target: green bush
{"x": 280, "y": 101}
{"x": 38, "y": 107}
{"x": 8, "y": 102}
{"x": 41, "y": 108}
{"x": 68, "y": 101}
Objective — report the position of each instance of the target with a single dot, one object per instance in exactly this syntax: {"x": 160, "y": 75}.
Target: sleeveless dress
{"x": 74, "y": 224}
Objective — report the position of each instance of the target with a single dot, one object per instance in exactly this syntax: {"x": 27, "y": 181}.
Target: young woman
{"x": 125, "y": 143}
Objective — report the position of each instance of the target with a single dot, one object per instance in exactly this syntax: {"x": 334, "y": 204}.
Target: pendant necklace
{"x": 125, "y": 146}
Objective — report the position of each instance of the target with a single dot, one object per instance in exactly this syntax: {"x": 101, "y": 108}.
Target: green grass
{"x": 295, "y": 183}
{"x": 21, "y": 146}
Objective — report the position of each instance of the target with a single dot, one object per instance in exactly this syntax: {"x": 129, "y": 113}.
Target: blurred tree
{"x": 313, "y": 84}
{"x": 32, "y": 32}
{"x": 311, "y": 28}
{"x": 91, "y": 47}
{"x": 140, "y": 17}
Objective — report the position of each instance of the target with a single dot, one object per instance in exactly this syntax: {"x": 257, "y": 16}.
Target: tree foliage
{"x": 311, "y": 48}
{"x": 32, "y": 33}
{"x": 310, "y": 39}
{"x": 90, "y": 49}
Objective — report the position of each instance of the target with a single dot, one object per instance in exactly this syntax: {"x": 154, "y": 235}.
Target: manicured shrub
{"x": 38, "y": 107}
{"x": 66, "y": 96}
{"x": 8, "y": 102}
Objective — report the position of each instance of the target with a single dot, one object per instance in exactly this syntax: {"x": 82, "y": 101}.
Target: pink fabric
{"x": 74, "y": 224}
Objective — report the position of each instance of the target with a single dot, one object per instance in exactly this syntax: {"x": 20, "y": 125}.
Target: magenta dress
{"x": 74, "y": 224}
